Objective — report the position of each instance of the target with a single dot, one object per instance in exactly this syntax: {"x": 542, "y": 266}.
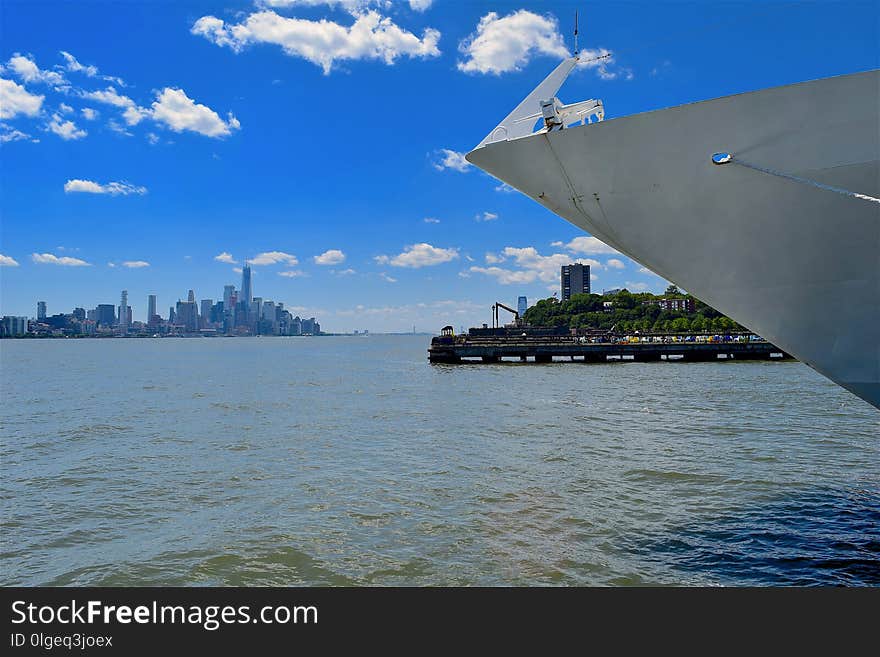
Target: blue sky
{"x": 154, "y": 146}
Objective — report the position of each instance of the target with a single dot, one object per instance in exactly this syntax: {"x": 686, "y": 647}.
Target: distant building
{"x": 205, "y": 313}
{"x": 522, "y": 305}
{"x": 575, "y": 280}
{"x": 105, "y": 315}
{"x": 246, "y": 288}
{"x": 41, "y": 311}
{"x": 613, "y": 290}
{"x": 79, "y": 314}
{"x": 11, "y": 326}
{"x": 187, "y": 316}
{"x": 152, "y": 317}
{"x": 124, "y": 313}
{"x": 676, "y": 304}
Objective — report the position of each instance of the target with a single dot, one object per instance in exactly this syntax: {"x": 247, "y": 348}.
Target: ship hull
{"x": 795, "y": 262}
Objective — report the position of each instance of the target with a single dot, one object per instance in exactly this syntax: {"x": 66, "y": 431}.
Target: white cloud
{"x": 636, "y": 286}
{"x": 274, "y": 258}
{"x": 292, "y": 273}
{"x": 324, "y": 42}
{"x": 431, "y": 220}
{"x": 67, "y": 130}
{"x": 89, "y": 114}
{"x": 64, "y": 261}
{"x": 352, "y": 6}
{"x": 599, "y": 59}
{"x": 588, "y": 246}
{"x": 645, "y": 270}
{"x": 132, "y": 112}
{"x": 64, "y": 107}
{"x": 226, "y": 257}
{"x": 179, "y": 112}
{"x": 331, "y": 257}
{"x": 15, "y": 100}
{"x": 615, "y": 263}
{"x": 419, "y": 255}
{"x": 135, "y": 264}
{"x": 504, "y": 187}
{"x": 504, "y": 44}
{"x": 76, "y": 67}
{"x": 532, "y": 266}
{"x": 7, "y": 261}
{"x": 345, "y": 272}
{"x": 8, "y": 133}
{"x": 153, "y": 138}
{"x": 449, "y": 159}
{"x": 27, "y": 69}
{"x": 112, "y": 188}
{"x": 486, "y": 216}
{"x": 385, "y": 277}
{"x": 420, "y": 5}
{"x": 237, "y": 270}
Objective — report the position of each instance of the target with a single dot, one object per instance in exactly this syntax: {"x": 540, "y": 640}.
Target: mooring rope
{"x": 730, "y": 159}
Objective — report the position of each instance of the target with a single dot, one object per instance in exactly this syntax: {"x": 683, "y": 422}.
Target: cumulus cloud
{"x": 588, "y": 246}
{"x": 64, "y": 261}
{"x": 67, "y": 130}
{"x": 615, "y": 263}
{"x": 324, "y": 42}
{"x": 645, "y": 270}
{"x": 89, "y": 114}
{"x": 292, "y": 273}
{"x": 111, "y": 188}
{"x": 449, "y": 159}
{"x": 507, "y": 43}
{"x": 179, "y": 112}
{"x": 7, "y": 261}
{"x": 637, "y": 286}
{"x": 172, "y": 108}
{"x": 226, "y": 257}
{"x": 486, "y": 216}
{"x": 528, "y": 265}
{"x": 15, "y": 100}
{"x": 431, "y": 220}
{"x": 26, "y": 68}
{"x": 331, "y": 257}
{"x": 135, "y": 264}
{"x": 505, "y": 188}
{"x": 274, "y": 258}
{"x": 419, "y": 255}
{"x": 385, "y": 277}
{"x": 64, "y": 107}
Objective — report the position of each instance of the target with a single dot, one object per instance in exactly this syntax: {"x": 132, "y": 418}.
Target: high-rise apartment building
{"x": 41, "y": 311}
{"x": 522, "y": 305}
{"x": 105, "y": 315}
{"x": 575, "y": 280}
{"x": 205, "y": 318}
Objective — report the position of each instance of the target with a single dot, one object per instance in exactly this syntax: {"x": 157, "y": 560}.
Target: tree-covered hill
{"x": 627, "y": 312}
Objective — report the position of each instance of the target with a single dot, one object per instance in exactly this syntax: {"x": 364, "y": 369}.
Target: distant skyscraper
{"x": 228, "y": 293}
{"x": 205, "y": 318}
{"x": 105, "y": 314}
{"x": 575, "y": 280}
{"x": 522, "y": 305}
{"x": 191, "y": 297}
{"x": 123, "y": 312}
{"x": 247, "y": 291}
{"x": 151, "y": 308}
{"x": 187, "y": 315}
{"x": 41, "y": 311}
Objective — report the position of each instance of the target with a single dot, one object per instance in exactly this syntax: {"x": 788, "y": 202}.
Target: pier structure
{"x": 452, "y": 349}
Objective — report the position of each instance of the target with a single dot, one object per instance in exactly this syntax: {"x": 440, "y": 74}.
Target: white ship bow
{"x": 783, "y": 235}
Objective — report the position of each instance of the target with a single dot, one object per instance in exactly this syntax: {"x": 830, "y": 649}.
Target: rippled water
{"x": 353, "y": 461}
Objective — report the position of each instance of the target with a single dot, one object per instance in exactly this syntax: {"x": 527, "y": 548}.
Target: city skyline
{"x": 128, "y": 171}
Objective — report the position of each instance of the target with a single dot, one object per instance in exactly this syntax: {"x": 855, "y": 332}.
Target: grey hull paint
{"x": 797, "y": 264}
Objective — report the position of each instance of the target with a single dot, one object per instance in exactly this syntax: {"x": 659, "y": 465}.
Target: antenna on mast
{"x": 575, "y": 33}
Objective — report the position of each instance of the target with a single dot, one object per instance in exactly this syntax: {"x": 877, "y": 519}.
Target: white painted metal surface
{"x": 797, "y": 263}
